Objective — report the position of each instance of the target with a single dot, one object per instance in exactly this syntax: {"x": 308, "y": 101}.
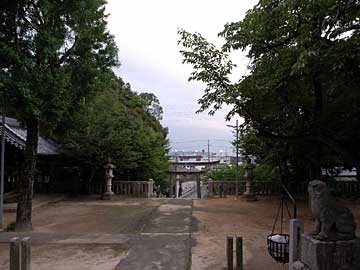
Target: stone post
{"x": 26, "y": 253}
{"x": 198, "y": 187}
{"x": 177, "y": 189}
{"x": 171, "y": 190}
{"x": 296, "y": 229}
{"x": 108, "y": 180}
{"x": 211, "y": 189}
{"x": 239, "y": 253}
{"x": 15, "y": 253}
{"x": 229, "y": 252}
{"x": 151, "y": 188}
{"x": 249, "y": 194}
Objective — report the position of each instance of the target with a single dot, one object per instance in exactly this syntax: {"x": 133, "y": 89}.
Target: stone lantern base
{"x": 248, "y": 197}
{"x": 107, "y": 195}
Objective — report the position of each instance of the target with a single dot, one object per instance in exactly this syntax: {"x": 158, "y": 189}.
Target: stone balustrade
{"x": 127, "y": 188}
{"x": 228, "y": 187}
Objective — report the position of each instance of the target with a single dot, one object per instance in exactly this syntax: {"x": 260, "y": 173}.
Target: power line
{"x": 222, "y": 141}
{"x": 201, "y": 140}
{"x": 202, "y": 145}
{"x": 190, "y": 141}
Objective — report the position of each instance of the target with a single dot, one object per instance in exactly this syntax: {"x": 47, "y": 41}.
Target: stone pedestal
{"x": 330, "y": 255}
{"x": 107, "y": 195}
{"x": 108, "y": 181}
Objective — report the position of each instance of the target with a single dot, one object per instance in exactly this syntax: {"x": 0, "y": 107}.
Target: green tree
{"x": 152, "y": 105}
{"x": 301, "y": 95}
{"x": 52, "y": 53}
{"x": 117, "y": 123}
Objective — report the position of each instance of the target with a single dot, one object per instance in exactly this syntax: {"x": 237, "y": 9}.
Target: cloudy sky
{"x": 146, "y": 34}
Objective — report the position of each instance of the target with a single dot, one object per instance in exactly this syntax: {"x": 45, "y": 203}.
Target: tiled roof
{"x": 16, "y": 135}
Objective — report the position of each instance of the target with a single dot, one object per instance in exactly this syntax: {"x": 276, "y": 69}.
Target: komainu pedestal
{"x": 330, "y": 255}
{"x": 332, "y": 245}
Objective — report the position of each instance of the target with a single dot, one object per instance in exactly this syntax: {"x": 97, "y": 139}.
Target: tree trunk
{"x": 318, "y": 111}
{"x": 24, "y": 207}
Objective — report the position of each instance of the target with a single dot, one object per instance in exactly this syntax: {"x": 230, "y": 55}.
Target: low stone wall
{"x": 128, "y": 188}
{"x": 224, "y": 188}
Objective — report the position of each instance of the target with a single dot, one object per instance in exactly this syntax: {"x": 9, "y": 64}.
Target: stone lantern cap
{"x": 248, "y": 164}
{"x": 109, "y": 165}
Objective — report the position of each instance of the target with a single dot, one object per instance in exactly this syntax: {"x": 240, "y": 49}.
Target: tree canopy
{"x": 52, "y": 54}
{"x": 119, "y": 123}
{"x": 302, "y": 95}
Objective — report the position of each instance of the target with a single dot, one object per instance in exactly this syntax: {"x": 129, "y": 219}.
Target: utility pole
{"x": 209, "y": 150}
{"x": 237, "y": 158}
{"x": 2, "y": 169}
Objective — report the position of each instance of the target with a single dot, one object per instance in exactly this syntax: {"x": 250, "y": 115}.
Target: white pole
{"x": 2, "y": 171}
{"x": 296, "y": 229}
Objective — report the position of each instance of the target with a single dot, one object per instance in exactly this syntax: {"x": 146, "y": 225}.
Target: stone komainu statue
{"x": 332, "y": 221}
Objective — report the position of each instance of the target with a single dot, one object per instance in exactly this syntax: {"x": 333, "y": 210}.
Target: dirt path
{"x": 70, "y": 256}
{"x": 133, "y": 234}
{"x": 81, "y": 234}
{"x": 217, "y": 218}
{"x": 151, "y": 234}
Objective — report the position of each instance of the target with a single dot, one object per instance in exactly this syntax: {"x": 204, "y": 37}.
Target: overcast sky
{"x": 146, "y": 34}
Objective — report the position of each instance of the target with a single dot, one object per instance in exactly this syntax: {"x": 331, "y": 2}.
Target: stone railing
{"x": 351, "y": 188}
{"x": 128, "y": 188}
{"x": 223, "y": 188}
{"x": 341, "y": 188}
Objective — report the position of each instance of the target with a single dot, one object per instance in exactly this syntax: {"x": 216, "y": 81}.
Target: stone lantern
{"x": 249, "y": 194}
{"x": 109, "y": 167}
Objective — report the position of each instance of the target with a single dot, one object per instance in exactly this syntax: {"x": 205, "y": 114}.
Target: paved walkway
{"x": 164, "y": 242}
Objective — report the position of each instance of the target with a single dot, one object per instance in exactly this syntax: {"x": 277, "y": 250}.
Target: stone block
{"x": 299, "y": 266}
{"x": 330, "y": 255}
{"x": 15, "y": 254}
{"x": 26, "y": 253}
{"x": 107, "y": 195}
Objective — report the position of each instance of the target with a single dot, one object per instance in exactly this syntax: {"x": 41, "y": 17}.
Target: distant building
{"x": 340, "y": 174}
{"x": 187, "y": 157}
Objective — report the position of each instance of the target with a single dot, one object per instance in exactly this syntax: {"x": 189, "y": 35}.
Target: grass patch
{"x": 11, "y": 226}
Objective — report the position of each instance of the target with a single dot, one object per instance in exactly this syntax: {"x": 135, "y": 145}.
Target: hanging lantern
{"x": 278, "y": 243}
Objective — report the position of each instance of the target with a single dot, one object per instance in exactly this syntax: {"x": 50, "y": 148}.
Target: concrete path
{"x": 165, "y": 242}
